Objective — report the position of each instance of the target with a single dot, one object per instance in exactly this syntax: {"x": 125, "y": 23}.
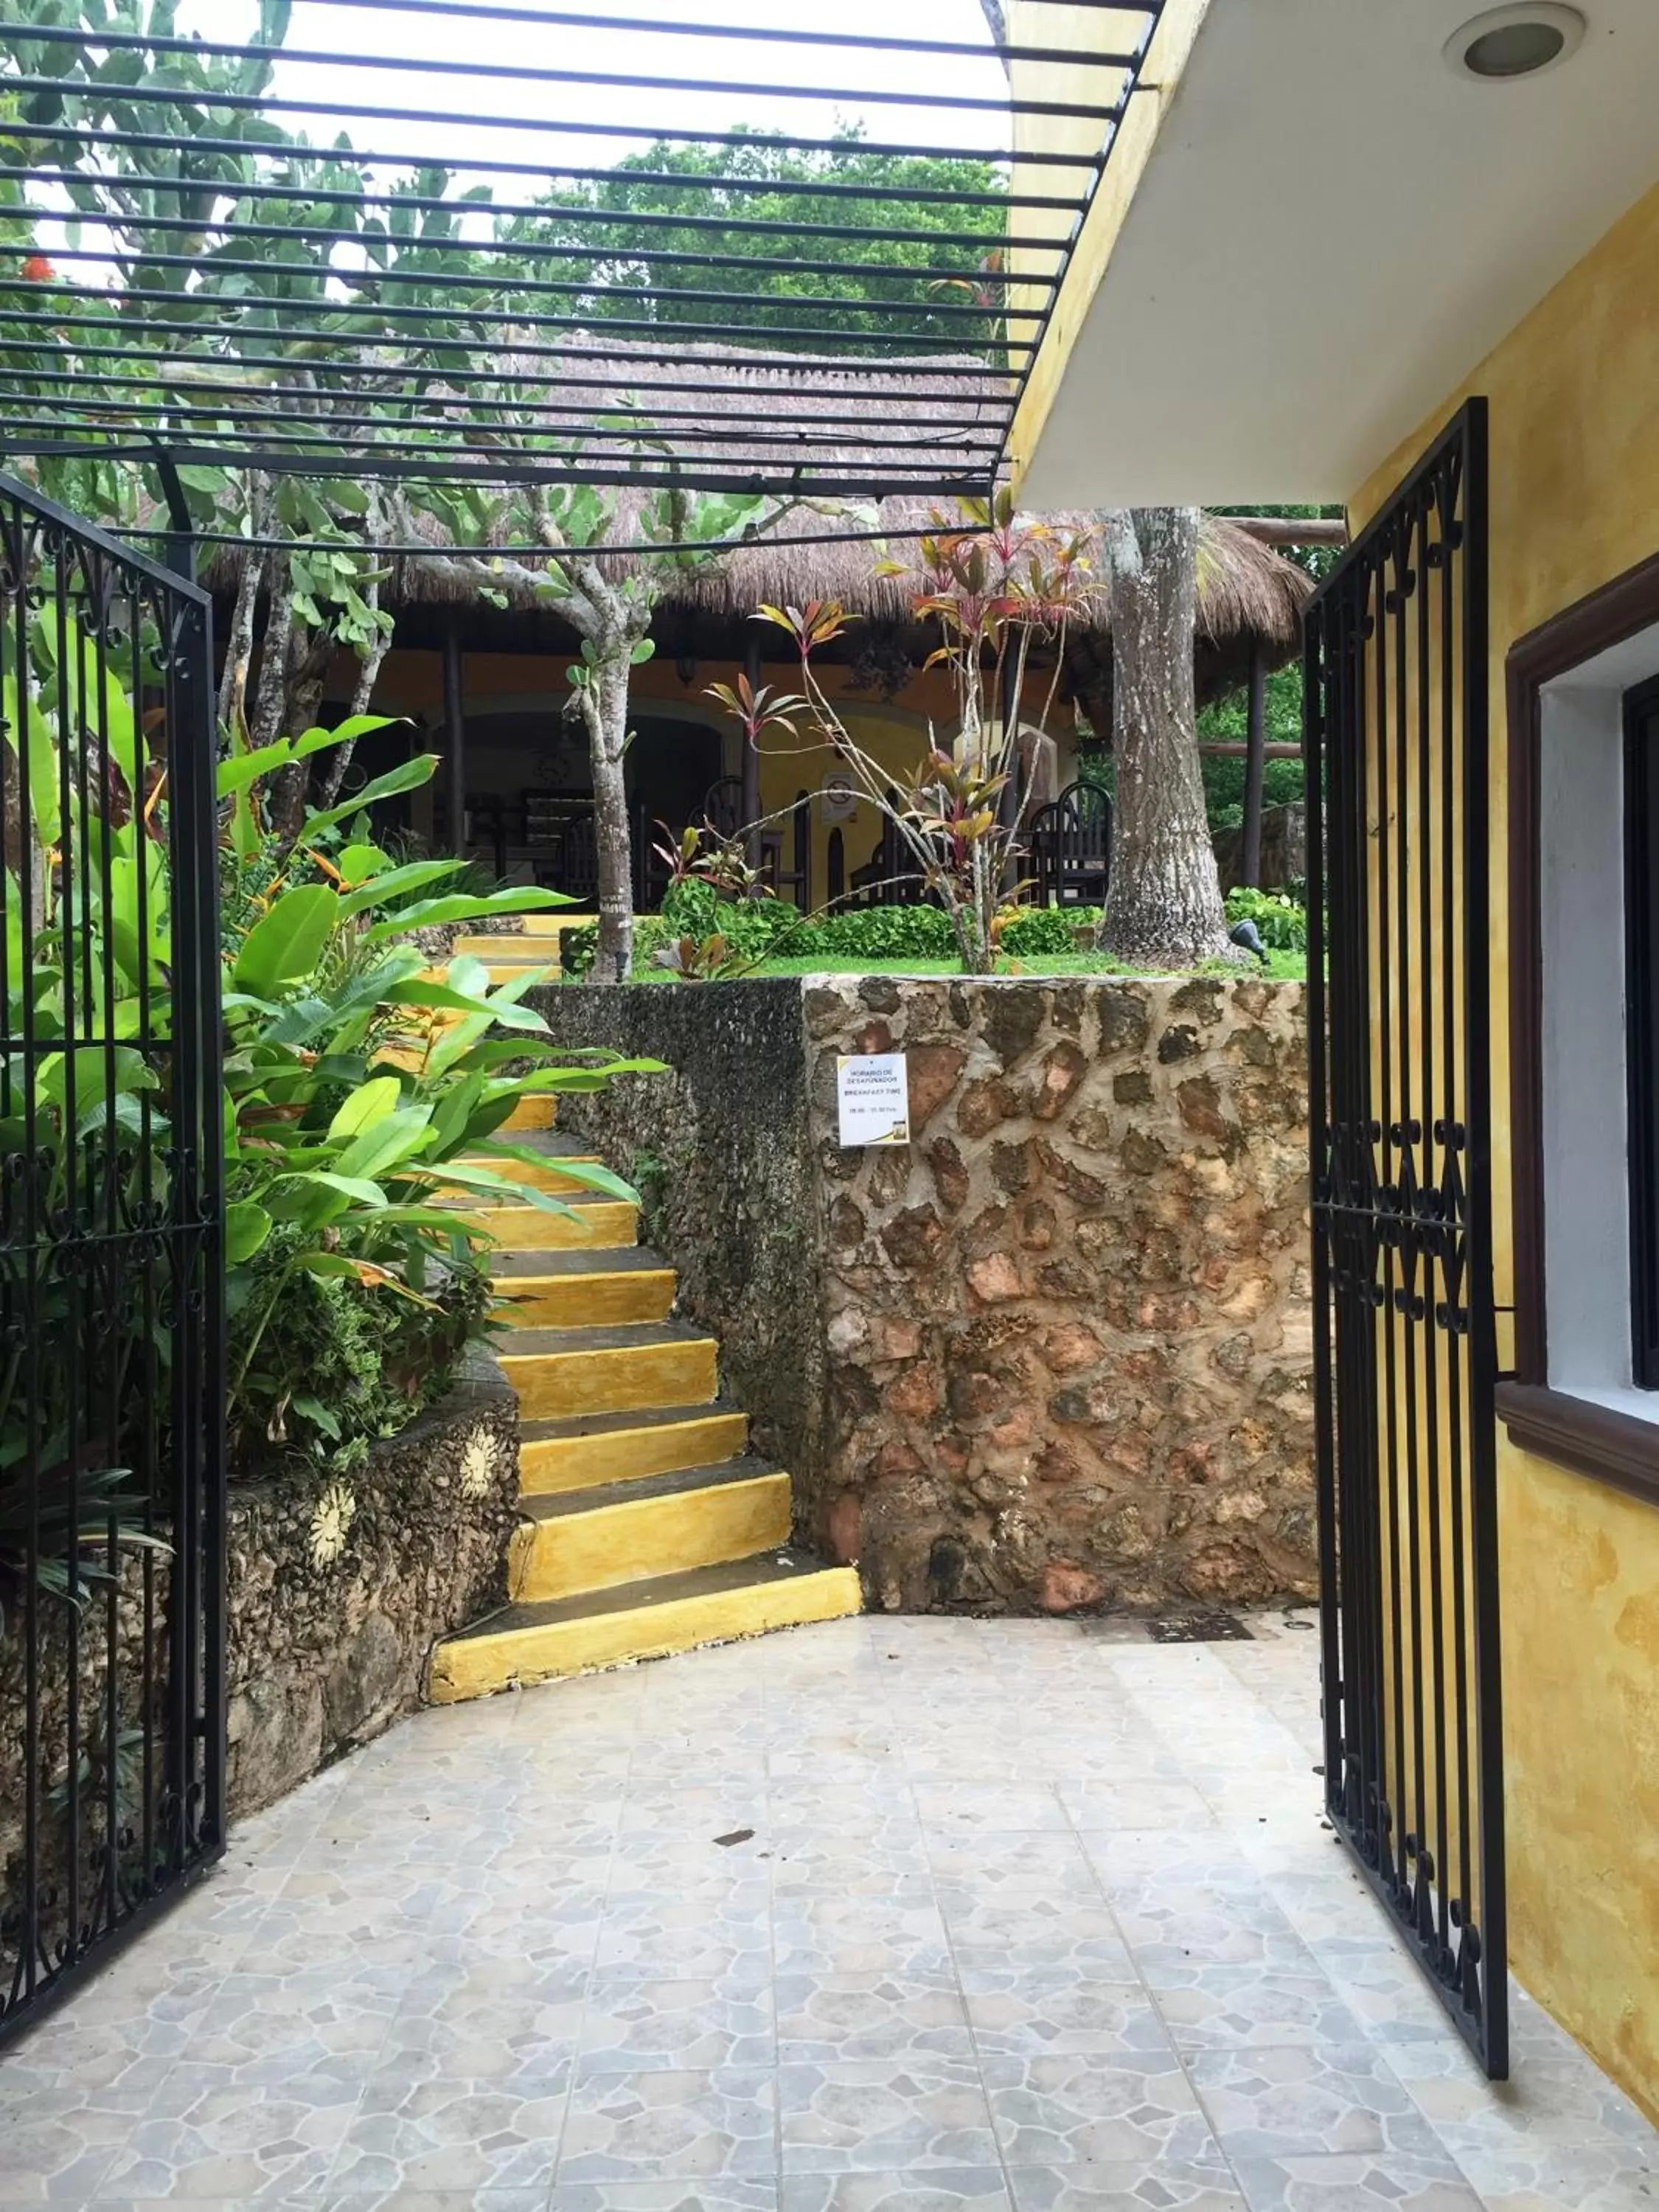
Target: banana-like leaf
{"x": 247, "y": 1225}
{"x": 461, "y": 906}
{"x": 365, "y": 1108}
{"x": 382, "y": 1148}
{"x": 395, "y": 883}
{"x": 590, "y": 1175}
{"x": 503, "y": 1014}
{"x": 286, "y": 944}
{"x": 405, "y": 777}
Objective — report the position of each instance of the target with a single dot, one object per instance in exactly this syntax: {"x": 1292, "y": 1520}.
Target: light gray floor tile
{"x": 1097, "y": 2108}
{"x": 725, "y": 2195}
{"x": 1329, "y": 2098}
{"x": 1155, "y": 2185}
{"x": 1020, "y": 2011}
{"x": 1014, "y": 1889}
{"x": 421, "y": 2127}
{"x": 1393, "y": 2181}
{"x": 831, "y": 2017}
{"x": 879, "y": 2116}
{"x": 632, "y": 2024}
{"x": 970, "y": 2189}
{"x": 675, "y": 2125}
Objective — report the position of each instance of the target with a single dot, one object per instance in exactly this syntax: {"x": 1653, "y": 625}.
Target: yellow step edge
{"x": 620, "y": 1379}
{"x": 637, "y": 1538}
{"x": 546, "y": 1174}
{"x": 539, "y": 1110}
{"x": 550, "y": 1465}
{"x": 476, "y": 1666}
{"x": 607, "y": 1224}
{"x": 597, "y": 1301}
{"x": 498, "y": 971}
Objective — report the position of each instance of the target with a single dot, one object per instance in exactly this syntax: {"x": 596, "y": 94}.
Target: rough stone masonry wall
{"x": 1068, "y": 1327}
{"x": 340, "y": 1584}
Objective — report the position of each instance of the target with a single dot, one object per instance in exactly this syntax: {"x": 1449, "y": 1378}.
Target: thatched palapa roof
{"x": 1250, "y": 595}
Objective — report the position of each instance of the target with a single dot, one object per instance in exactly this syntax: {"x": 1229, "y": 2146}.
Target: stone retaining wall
{"x": 1068, "y": 1327}
{"x": 340, "y": 1585}
{"x": 1054, "y": 1354}
{"x": 337, "y": 1588}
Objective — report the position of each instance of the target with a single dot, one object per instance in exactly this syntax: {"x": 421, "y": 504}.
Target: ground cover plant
{"x": 764, "y": 936}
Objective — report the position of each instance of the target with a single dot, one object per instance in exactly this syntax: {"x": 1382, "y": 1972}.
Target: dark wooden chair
{"x": 559, "y": 841}
{"x": 1071, "y": 847}
{"x": 891, "y": 875}
{"x": 795, "y": 882}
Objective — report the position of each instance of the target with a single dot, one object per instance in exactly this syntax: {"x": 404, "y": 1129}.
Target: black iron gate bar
{"x": 521, "y": 298}
{"x": 1405, "y": 1349}
{"x": 112, "y": 1458}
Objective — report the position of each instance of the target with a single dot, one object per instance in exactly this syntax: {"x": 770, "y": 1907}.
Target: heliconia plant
{"x": 992, "y": 584}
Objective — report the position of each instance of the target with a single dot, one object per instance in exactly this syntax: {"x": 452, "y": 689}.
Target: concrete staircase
{"x": 650, "y": 1527}
{"x": 536, "y": 946}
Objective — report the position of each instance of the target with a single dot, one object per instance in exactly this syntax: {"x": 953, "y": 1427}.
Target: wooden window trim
{"x": 1613, "y": 1447}
{"x": 1641, "y": 779}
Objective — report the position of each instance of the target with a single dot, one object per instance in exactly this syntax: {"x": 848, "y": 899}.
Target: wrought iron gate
{"x": 1404, "y": 1347}
{"x": 112, "y": 1463}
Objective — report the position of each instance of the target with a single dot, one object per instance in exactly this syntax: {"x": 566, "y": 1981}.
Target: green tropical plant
{"x": 364, "y": 1093}
{"x": 1281, "y": 922}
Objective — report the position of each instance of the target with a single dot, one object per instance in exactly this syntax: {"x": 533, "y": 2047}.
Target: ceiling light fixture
{"x": 1524, "y": 39}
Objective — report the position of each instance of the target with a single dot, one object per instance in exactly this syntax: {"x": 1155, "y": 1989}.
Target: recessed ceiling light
{"x": 1501, "y": 43}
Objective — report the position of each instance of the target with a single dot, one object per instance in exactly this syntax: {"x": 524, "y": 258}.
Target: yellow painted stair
{"x": 508, "y": 955}
{"x": 649, "y": 1526}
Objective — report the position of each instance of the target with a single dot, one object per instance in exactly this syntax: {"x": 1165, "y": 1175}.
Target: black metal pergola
{"x": 374, "y": 242}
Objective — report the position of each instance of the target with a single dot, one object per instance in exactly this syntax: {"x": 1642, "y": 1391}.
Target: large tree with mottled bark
{"x": 1163, "y": 906}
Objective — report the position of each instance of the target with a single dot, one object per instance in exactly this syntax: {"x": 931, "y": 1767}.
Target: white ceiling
{"x": 1332, "y": 232}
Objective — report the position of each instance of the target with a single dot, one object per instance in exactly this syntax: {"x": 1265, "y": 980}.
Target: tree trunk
{"x": 369, "y": 673}
{"x": 309, "y": 652}
{"x": 239, "y": 649}
{"x": 270, "y": 697}
{"x": 1164, "y": 906}
{"x": 605, "y": 710}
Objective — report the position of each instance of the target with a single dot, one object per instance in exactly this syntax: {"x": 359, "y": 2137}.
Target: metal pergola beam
{"x": 248, "y": 300}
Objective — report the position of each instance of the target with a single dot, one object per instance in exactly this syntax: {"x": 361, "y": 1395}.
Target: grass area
{"x": 1284, "y": 967}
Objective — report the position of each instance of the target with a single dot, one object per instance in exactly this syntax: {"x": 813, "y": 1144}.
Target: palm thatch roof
{"x": 1250, "y": 597}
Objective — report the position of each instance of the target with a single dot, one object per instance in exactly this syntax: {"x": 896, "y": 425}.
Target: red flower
{"x": 37, "y": 269}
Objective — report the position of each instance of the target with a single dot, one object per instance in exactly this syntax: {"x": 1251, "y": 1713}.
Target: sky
{"x": 420, "y": 34}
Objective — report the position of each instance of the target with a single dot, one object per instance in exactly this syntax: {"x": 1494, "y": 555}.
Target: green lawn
{"x": 1287, "y": 967}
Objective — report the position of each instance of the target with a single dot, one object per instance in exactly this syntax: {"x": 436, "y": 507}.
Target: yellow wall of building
{"x": 1574, "y": 394}
{"x": 896, "y": 732}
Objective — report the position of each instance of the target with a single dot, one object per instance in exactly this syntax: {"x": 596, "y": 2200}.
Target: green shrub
{"x": 1038, "y": 931}
{"x": 1282, "y": 923}
{"x": 878, "y": 932}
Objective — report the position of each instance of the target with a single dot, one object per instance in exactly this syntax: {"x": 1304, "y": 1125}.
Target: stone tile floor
{"x": 1014, "y": 1917}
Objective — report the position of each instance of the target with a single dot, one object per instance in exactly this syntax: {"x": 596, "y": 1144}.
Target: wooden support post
{"x": 1255, "y": 765}
{"x": 455, "y": 739}
{"x": 752, "y": 775}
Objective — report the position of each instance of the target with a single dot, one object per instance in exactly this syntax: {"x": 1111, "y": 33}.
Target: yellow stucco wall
{"x": 895, "y": 732}
{"x": 1574, "y": 394}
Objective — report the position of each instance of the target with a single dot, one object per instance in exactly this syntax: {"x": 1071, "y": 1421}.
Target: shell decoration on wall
{"x": 477, "y": 1464}
{"x": 330, "y": 1524}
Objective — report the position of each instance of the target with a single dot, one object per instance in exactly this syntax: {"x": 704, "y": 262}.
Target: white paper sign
{"x": 838, "y": 797}
{"x": 873, "y": 1091}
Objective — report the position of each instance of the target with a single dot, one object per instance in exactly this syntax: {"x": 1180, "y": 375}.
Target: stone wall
{"x": 337, "y": 1588}
{"x": 1068, "y": 1327}
{"x": 1054, "y": 1355}
{"x": 339, "y": 1585}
